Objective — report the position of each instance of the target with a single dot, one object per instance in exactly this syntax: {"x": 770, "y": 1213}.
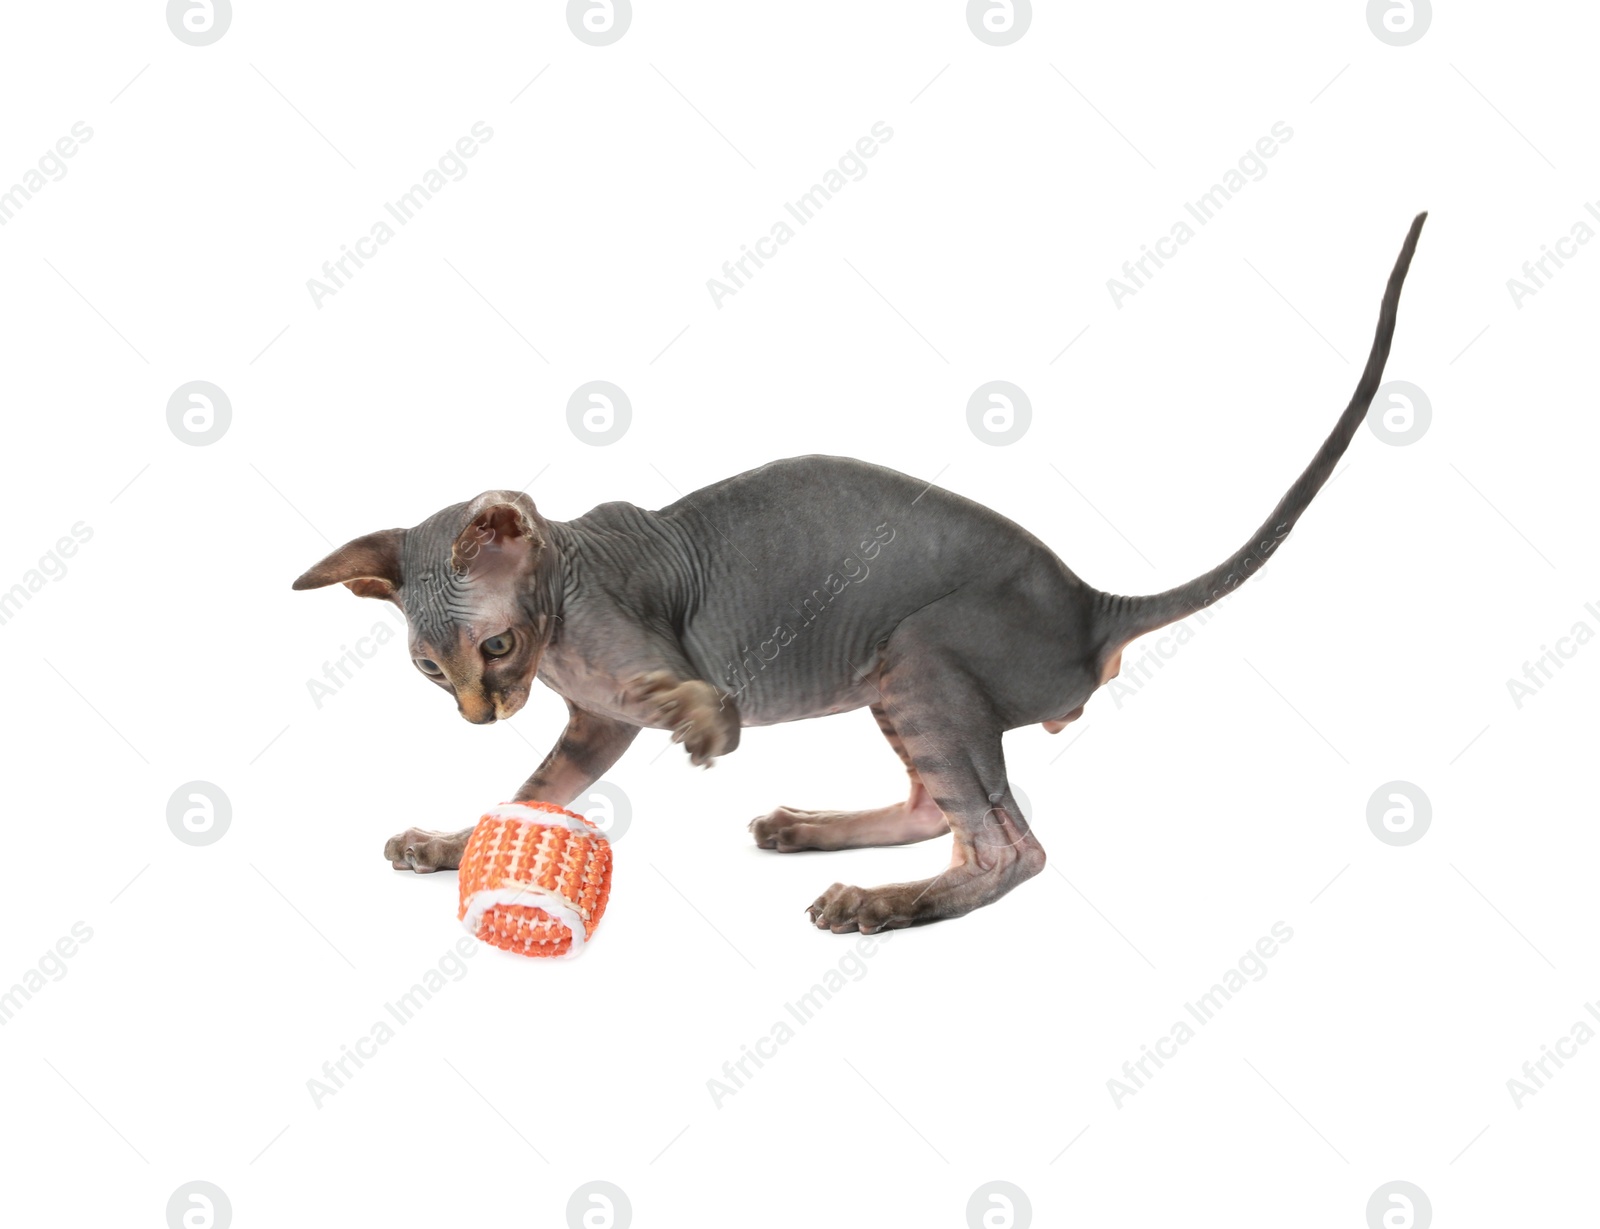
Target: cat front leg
{"x": 584, "y": 753}
{"x": 589, "y": 745}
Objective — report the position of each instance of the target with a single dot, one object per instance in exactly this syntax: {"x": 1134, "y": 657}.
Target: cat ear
{"x": 502, "y": 533}
{"x": 368, "y": 567}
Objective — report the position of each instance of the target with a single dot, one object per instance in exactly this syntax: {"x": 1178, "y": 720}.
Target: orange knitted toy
{"x": 534, "y": 879}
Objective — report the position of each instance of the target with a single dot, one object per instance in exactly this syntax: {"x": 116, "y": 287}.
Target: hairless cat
{"x": 806, "y": 587}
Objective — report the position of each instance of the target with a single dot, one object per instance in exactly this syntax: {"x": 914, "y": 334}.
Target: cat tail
{"x": 1121, "y": 619}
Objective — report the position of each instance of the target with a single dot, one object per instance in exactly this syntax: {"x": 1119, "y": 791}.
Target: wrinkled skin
{"x": 806, "y": 587}
{"x": 949, "y": 621}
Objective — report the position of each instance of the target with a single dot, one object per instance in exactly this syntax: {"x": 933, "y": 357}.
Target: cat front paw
{"x": 699, "y": 716}
{"x": 422, "y": 851}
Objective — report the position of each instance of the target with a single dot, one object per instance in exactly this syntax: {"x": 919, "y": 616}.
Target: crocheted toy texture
{"x": 534, "y": 879}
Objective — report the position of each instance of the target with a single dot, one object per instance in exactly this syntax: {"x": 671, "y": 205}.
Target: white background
{"x": 1223, "y": 797}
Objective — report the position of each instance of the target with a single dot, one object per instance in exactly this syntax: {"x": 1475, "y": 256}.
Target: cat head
{"x": 473, "y": 583}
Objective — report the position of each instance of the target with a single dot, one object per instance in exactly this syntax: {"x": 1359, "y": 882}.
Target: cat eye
{"x": 497, "y": 646}
{"x": 428, "y": 667}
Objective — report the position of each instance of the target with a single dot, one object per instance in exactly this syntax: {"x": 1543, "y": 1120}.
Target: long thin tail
{"x": 1121, "y": 619}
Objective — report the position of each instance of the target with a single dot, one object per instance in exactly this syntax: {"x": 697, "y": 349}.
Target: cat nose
{"x": 479, "y": 712}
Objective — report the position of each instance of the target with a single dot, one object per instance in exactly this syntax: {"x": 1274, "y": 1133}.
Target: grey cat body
{"x": 848, "y": 551}
{"x": 805, "y": 587}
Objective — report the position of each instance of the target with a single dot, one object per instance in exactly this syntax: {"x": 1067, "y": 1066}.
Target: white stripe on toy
{"x": 520, "y": 812}
{"x": 481, "y": 902}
